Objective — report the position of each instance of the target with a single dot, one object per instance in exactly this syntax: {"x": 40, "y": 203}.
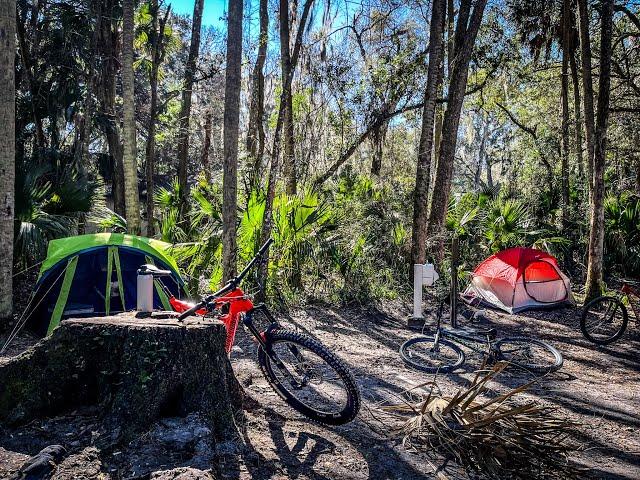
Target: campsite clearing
{"x": 600, "y": 388}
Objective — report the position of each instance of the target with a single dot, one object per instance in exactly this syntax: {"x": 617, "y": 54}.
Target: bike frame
{"x": 233, "y": 307}
{"x": 469, "y": 341}
{"x": 629, "y": 291}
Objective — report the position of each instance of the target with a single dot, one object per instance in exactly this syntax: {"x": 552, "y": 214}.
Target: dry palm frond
{"x": 499, "y": 437}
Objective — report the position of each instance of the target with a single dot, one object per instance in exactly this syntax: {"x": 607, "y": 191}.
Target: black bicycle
{"x": 441, "y": 352}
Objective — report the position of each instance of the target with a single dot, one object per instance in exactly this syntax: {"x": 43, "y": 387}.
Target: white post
{"x": 423, "y": 276}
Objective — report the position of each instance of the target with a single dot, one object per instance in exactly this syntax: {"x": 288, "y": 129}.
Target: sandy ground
{"x": 599, "y": 388}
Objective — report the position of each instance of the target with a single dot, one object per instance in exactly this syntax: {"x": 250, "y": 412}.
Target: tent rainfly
{"x": 518, "y": 279}
{"x": 96, "y": 275}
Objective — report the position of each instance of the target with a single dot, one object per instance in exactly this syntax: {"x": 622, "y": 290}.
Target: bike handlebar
{"x": 230, "y": 285}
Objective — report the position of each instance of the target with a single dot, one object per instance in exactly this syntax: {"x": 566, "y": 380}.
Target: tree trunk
{"x": 587, "y": 88}
{"x": 255, "y": 130}
{"x": 377, "y": 141}
{"x": 577, "y": 110}
{"x": 108, "y": 48}
{"x": 157, "y": 56}
{"x": 275, "y": 152}
{"x": 25, "y": 58}
{"x": 564, "y": 98}
{"x": 136, "y": 370}
{"x": 187, "y": 91}
{"x": 129, "y": 161}
{"x": 206, "y": 146}
{"x": 482, "y": 154}
{"x": 465, "y": 37}
{"x": 425, "y": 148}
{"x": 81, "y": 153}
{"x": 233, "y": 79}
{"x": 7, "y": 151}
{"x": 596, "y": 225}
{"x": 288, "y": 163}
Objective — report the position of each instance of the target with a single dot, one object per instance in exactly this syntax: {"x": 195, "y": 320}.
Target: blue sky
{"x": 213, "y": 10}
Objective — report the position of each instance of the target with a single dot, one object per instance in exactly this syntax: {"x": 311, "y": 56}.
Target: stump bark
{"x": 135, "y": 370}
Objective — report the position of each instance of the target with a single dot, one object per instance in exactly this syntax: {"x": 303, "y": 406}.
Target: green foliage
{"x": 486, "y": 223}
{"x": 368, "y": 256}
{"x": 622, "y": 233}
{"x": 51, "y": 197}
{"x": 507, "y": 224}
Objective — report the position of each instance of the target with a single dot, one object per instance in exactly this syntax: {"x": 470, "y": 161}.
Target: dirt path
{"x": 600, "y": 388}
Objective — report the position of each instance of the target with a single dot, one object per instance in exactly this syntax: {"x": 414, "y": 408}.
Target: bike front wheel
{"x": 423, "y": 353}
{"x": 530, "y": 354}
{"x": 309, "y": 377}
{"x": 604, "y": 320}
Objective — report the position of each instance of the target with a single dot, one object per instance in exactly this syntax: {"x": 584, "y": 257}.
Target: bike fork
{"x": 261, "y": 338}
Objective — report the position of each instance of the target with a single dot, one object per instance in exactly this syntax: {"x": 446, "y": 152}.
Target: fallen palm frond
{"x": 498, "y": 437}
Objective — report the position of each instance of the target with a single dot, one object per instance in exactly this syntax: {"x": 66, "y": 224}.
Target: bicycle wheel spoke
{"x": 603, "y": 319}
{"x": 309, "y": 378}
{"x": 425, "y": 354}
{"x": 529, "y": 354}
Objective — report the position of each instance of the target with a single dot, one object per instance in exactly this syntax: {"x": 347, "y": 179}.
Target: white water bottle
{"x": 145, "y": 292}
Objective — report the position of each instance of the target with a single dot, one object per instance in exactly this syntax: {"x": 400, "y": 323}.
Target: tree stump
{"x": 135, "y": 370}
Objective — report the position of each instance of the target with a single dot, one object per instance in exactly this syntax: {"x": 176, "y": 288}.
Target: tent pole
{"x": 61, "y": 302}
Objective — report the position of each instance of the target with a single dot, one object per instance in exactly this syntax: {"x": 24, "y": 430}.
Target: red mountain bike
{"x": 309, "y": 377}
{"x": 604, "y": 319}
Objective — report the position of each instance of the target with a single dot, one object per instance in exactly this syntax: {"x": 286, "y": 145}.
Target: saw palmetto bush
{"x": 368, "y": 256}
{"x": 622, "y": 233}
{"x": 500, "y": 436}
{"x": 51, "y": 200}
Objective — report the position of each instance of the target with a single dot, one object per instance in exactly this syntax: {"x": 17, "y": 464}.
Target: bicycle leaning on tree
{"x": 604, "y": 319}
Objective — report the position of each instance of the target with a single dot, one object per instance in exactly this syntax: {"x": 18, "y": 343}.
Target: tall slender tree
{"x": 596, "y": 222}
{"x": 577, "y": 112}
{"x": 425, "y": 148}
{"x": 267, "y": 222}
{"x": 255, "y": 130}
{"x": 108, "y": 48}
{"x": 233, "y": 80}
{"x": 187, "y": 92}
{"x": 82, "y": 147}
{"x": 564, "y": 100}
{"x": 288, "y": 163}
{"x": 467, "y": 26}
{"x": 288, "y": 64}
{"x": 587, "y": 87}
{"x": 7, "y": 151}
{"x": 131, "y": 196}
{"x": 157, "y": 43}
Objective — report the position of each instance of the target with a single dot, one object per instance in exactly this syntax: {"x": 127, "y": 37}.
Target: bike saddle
{"x": 149, "y": 269}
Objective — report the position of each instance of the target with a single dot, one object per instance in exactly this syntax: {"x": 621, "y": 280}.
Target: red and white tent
{"x": 519, "y": 279}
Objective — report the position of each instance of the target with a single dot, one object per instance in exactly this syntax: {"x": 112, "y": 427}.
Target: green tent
{"x": 95, "y": 274}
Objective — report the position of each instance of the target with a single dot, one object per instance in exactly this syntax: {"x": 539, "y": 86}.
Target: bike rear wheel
{"x": 422, "y": 353}
{"x": 309, "y": 377}
{"x": 533, "y": 355}
{"x": 604, "y": 320}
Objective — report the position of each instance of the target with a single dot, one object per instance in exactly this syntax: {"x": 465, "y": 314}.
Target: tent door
{"x": 542, "y": 275}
